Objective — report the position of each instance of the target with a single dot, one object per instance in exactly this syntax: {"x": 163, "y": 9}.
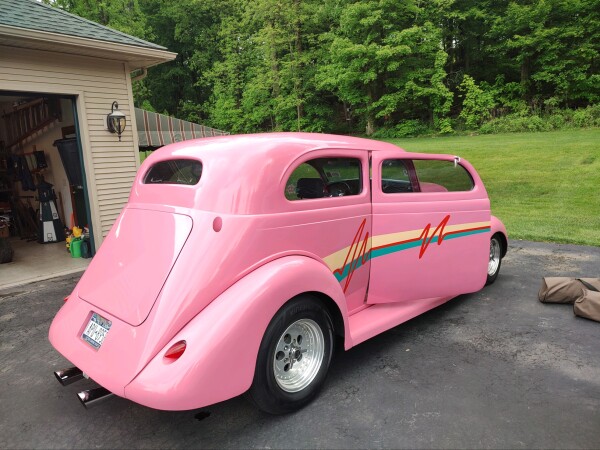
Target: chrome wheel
{"x": 298, "y": 355}
{"x": 495, "y": 255}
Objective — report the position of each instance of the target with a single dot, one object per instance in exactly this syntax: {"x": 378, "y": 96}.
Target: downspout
{"x": 141, "y": 76}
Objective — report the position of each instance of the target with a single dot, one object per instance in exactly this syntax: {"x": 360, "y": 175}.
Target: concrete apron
{"x": 36, "y": 262}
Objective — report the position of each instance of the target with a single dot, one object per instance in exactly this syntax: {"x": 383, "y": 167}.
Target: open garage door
{"x": 43, "y": 192}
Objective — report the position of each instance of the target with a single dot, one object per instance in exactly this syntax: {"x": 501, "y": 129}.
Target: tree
{"x": 354, "y": 65}
{"x": 385, "y": 62}
{"x": 122, "y": 15}
{"x": 555, "y": 47}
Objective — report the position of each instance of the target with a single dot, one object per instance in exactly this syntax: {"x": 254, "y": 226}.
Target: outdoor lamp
{"x": 116, "y": 120}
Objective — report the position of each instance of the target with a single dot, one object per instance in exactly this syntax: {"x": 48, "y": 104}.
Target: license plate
{"x": 96, "y": 330}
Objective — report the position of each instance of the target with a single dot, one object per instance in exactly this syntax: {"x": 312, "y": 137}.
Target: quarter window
{"x": 325, "y": 177}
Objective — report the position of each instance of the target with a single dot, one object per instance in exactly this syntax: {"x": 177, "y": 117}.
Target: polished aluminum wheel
{"x": 495, "y": 252}
{"x": 298, "y": 355}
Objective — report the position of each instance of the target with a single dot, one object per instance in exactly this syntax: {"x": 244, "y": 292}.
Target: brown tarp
{"x": 588, "y": 305}
{"x": 564, "y": 289}
{"x": 156, "y": 130}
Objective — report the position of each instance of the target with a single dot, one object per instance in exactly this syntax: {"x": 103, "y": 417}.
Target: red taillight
{"x": 175, "y": 351}
{"x": 66, "y": 298}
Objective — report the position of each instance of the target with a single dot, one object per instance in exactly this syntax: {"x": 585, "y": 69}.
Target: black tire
{"x": 496, "y": 252}
{"x": 304, "y": 312}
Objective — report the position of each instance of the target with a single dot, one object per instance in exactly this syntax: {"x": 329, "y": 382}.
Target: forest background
{"x": 387, "y": 68}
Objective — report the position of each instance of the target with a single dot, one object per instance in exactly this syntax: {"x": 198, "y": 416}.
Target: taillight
{"x": 66, "y": 298}
{"x": 175, "y": 351}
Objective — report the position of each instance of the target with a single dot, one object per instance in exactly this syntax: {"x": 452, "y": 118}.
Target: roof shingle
{"x": 33, "y": 15}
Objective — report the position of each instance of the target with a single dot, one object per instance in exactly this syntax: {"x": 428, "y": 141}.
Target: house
{"x": 60, "y": 76}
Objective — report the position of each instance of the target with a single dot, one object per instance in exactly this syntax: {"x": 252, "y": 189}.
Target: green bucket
{"x": 76, "y": 248}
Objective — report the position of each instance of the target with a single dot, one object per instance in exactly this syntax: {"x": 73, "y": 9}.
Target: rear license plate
{"x": 96, "y": 330}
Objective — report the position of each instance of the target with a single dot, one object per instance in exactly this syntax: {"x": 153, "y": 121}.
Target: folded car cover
{"x": 588, "y": 305}
{"x": 564, "y": 289}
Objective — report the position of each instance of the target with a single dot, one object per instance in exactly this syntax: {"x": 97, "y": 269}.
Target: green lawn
{"x": 543, "y": 186}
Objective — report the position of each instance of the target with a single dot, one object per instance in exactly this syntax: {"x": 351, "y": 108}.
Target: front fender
{"x": 223, "y": 340}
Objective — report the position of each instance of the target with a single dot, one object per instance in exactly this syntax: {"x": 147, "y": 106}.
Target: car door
{"x": 328, "y": 203}
{"x": 430, "y": 225}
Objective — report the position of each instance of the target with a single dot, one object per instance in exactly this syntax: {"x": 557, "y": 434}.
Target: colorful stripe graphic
{"x": 344, "y": 262}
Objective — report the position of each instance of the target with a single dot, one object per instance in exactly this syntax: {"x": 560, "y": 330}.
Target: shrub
{"x": 384, "y": 133}
{"x": 410, "y": 128}
{"x": 444, "y": 126}
{"x": 477, "y": 103}
{"x": 557, "y": 120}
{"x": 584, "y": 117}
{"x": 514, "y": 123}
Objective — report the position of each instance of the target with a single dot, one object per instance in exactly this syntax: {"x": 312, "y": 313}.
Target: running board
{"x": 381, "y": 317}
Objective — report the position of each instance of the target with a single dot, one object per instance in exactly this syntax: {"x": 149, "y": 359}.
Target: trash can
{"x": 69, "y": 155}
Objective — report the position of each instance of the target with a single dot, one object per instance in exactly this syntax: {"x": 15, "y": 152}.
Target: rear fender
{"x": 223, "y": 340}
{"x": 498, "y": 227}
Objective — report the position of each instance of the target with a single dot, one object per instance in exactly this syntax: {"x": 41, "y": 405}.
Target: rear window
{"x": 177, "y": 171}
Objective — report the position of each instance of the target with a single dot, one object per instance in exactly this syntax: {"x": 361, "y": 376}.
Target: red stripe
{"x": 418, "y": 239}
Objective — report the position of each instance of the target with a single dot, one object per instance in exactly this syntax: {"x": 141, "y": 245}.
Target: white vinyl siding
{"x": 110, "y": 165}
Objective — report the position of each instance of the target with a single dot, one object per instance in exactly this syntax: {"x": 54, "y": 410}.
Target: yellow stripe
{"x": 336, "y": 260}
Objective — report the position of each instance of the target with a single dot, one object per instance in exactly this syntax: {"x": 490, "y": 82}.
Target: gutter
{"x": 141, "y": 76}
{"x": 81, "y": 46}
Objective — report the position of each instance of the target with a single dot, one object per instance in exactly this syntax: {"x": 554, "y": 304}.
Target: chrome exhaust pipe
{"x": 68, "y": 376}
{"x": 92, "y": 397}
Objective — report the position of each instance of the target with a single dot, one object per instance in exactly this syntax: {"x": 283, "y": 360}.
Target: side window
{"x": 426, "y": 175}
{"x": 325, "y": 177}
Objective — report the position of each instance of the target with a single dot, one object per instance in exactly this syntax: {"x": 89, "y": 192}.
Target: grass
{"x": 543, "y": 186}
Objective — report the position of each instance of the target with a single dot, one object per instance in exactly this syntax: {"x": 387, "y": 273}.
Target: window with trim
{"x": 396, "y": 176}
{"x": 424, "y": 175}
{"x": 325, "y": 177}
{"x": 176, "y": 171}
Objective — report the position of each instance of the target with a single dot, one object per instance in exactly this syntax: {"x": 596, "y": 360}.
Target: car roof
{"x": 244, "y": 174}
{"x": 266, "y": 143}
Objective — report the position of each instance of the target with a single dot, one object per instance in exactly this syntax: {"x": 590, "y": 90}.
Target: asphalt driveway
{"x": 496, "y": 369}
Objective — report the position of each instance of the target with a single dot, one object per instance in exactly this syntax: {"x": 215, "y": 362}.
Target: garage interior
{"x": 39, "y": 150}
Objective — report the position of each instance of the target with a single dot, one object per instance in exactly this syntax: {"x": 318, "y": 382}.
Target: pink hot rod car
{"x": 239, "y": 260}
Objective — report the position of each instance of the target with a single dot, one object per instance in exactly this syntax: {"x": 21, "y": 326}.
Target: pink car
{"x": 239, "y": 260}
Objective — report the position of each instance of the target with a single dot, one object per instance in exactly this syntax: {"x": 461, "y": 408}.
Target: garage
{"x": 61, "y": 77}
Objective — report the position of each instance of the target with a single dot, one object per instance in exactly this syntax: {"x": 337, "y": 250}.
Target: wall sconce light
{"x": 116, "y": 121}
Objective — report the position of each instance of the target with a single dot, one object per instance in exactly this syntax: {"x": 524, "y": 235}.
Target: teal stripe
{"x": 347, "y": 267}
{"x": 399, "y": 247}
{"x": 466, "y": 233}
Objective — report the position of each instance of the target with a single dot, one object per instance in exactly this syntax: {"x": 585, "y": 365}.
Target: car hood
{"x": 133, "y": 263}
